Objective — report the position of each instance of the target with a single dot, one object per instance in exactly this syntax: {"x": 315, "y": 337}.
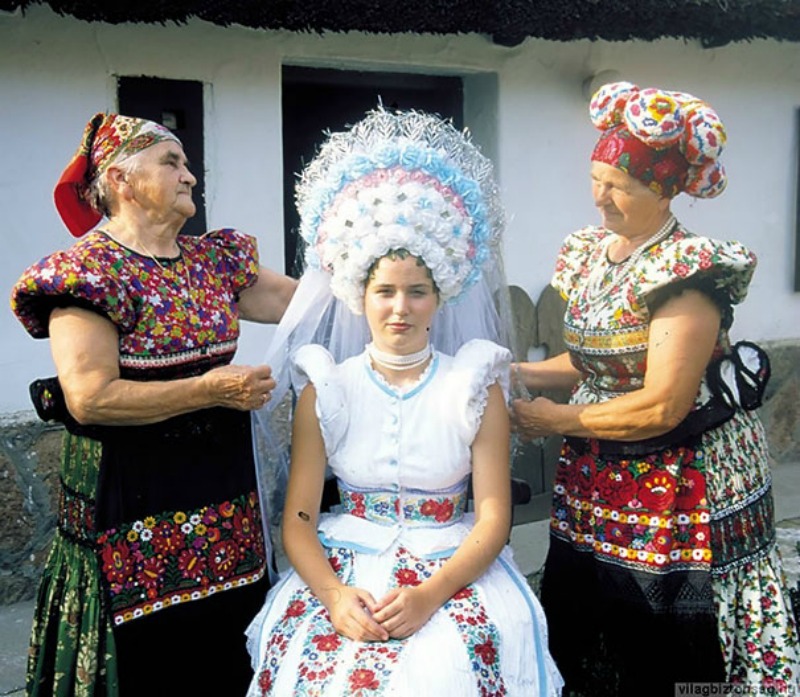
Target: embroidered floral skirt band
{"x": 413, "y": 508}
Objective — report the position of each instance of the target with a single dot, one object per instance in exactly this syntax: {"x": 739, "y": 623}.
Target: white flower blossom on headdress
{"x": 406, "y": 180}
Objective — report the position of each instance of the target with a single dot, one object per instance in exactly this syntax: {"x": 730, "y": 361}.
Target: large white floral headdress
{"x": 399, "y": 180}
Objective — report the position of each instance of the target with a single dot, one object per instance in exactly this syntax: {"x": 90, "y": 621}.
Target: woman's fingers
{"x": 352, "y": 617}
{"x": 403, "y": 611}
{"x": 240, "y": 386}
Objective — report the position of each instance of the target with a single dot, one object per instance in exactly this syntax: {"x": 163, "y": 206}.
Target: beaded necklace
{"x": 600, "y": 280}
{"x": 395, "y": 362}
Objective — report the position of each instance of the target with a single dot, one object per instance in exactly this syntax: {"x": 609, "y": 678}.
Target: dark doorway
{"x": 319, "y": 100}
{"x": 178, "y": 105}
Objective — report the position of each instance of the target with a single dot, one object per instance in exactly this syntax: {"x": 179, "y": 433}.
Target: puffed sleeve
{"x": 477, "y": 365}
{"x": 314, "y": 363}
{"x": 572, "y": 262}
{"x": 82, "y": 276}
{"x": 236, "y": 256}
{"x": 689, "y": 259}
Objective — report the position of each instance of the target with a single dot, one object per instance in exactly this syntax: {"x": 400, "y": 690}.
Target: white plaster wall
{"x": 525, "y": 105}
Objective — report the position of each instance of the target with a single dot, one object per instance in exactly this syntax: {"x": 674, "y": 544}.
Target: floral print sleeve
{"x": 82, "y": 276}
{"x": 690, "y": 258}
{"x": 238, "y": 256}
{"x": 571, "y": 264}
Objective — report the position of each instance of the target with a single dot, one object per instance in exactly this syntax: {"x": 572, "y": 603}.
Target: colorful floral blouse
{"x": 169, "y": 312}
{"x": 609, "y": 305}
{"x": 176, "y": 516}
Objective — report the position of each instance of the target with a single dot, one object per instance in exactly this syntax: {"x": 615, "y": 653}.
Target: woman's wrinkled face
{"x": 162, "y": 183}
{"x": 400, "y": 301}
{"x": 626, "y": 205}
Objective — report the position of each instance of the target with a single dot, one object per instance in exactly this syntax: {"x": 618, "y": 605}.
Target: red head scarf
{"x": 107, "y": 138}
{"x": 663, "y": 171}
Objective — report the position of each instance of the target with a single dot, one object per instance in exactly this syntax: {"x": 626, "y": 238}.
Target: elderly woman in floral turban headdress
{"x": 662, "y": 565}
{"x": 159, "y": 555}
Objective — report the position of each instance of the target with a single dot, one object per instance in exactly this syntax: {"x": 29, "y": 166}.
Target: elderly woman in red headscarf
{"x": 662, "y": 566}
{"x": 159, "y": 559}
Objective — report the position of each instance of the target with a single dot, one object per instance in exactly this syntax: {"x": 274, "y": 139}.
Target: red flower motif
{"x": 618, "y": 533}
{"x": 407, "y": 577}
{"x": 265, "y": 681}
{"x": 151, "y": 573}
{"x": 327, "y": 642}
{"x": 662, "y": 541}
{"x": 117, "y": 562}
{"x": 486, "y": 652}
{"x": 224, "y": 558}
{"x": 191, "y": 563}
{"x": 691, "y": 489}
{"x": 664, "y": 169}
{"x": 226, "y": 509}
{"x": 444, "y": 511}
{"x": 617, "y": 487}
{"x": 167, "y": 539}
{"x": 336, "y": 563}
{"x": 582, "y": 476}
{"x": 657, "y": 490}
{"x": 705, "y": 259}
{"x": 363, "y": 679}
{"x": 428, "y": 507}
{"x": 244, "y": 529}
{"x": 359, "y": 508}
{"x": 296, "y": 608}
{"x": 681, "y": 269}
{"x": 463, "y": 593}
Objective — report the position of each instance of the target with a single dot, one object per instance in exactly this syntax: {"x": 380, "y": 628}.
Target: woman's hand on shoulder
{"x": 403, "y": 611}
{"x": 240, "y": 387}
{"x": 351, "y": 610}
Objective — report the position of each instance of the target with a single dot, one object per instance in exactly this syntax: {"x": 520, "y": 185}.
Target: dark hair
{"x": 394, "y": 255}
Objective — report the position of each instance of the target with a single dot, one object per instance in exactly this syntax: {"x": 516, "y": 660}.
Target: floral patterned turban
{"x": 107, "y": 139}
{"x": 669, "y": 141}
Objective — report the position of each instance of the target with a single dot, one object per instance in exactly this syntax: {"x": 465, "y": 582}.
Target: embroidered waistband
{"x": 411, "y": 507}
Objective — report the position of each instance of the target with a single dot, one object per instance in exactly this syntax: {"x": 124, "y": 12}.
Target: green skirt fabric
{"x": 72, "y": 644}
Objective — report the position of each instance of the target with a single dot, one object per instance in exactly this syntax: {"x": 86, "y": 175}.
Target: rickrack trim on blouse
{"x": 211, "y": 350}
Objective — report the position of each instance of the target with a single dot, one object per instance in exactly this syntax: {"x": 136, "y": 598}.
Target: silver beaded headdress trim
{"x": 399, "y": 179}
